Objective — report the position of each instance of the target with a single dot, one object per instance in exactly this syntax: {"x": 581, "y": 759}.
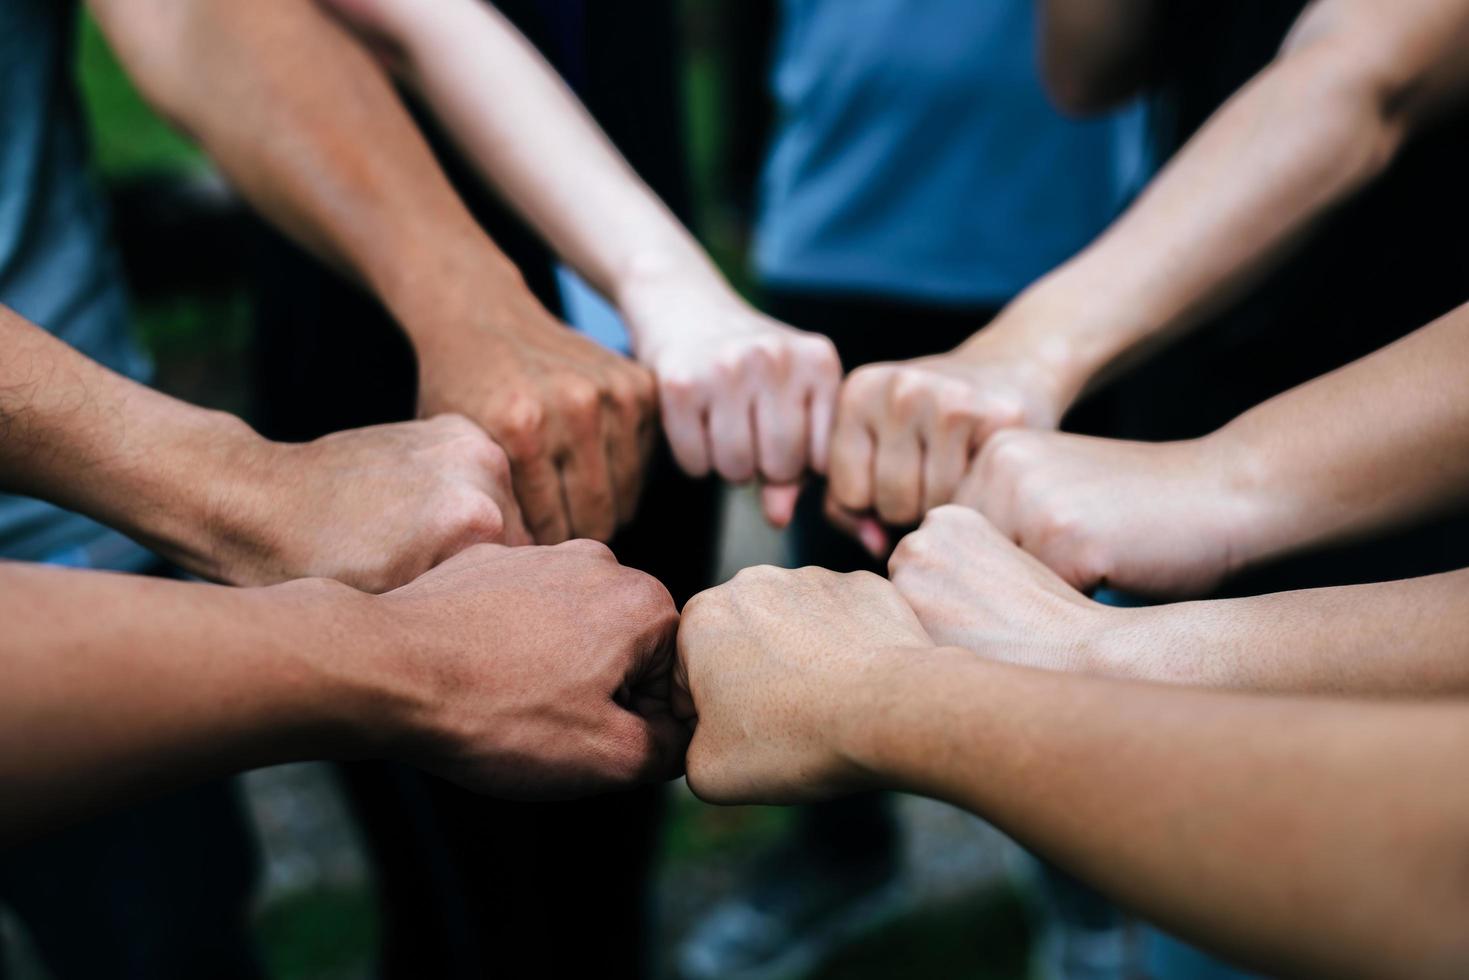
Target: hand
{"x": 535, "y": 673}
{"x": 972, "y": 588}
{"x": 773, "y": 665}
{"x": 372, "y": 508}
{"x": 577, "y": 420}
{"x": 741, "y": 394}
{"x": 1157, "y": 519}
{"x": 907, "y": 431}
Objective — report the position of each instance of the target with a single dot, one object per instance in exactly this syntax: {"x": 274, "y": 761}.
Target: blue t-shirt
{"x": 57, "y": 267}
{"x": 917, "y": 157}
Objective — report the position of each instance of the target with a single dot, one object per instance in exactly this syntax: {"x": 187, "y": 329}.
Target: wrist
{"x": 348, "y": 691}
{"x": 873, "y": 715}
{"x": 663, "y": 294}
{"x": 1254, "y": 515}
{"x": 469, "y": 285}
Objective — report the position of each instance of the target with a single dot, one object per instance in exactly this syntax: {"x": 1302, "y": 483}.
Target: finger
{"x": 586, "y": 484}
{"x": 821, "y": 407}
{"x": 780, "y": 433}
{"x": 778, "y": 500}
{"x": 897, "y": 493}
{"x": 866, "y": 530}
{"x": 850, "y": 472}
{"x": 538, "y": 488}
{"x": 945, "y": 458}
{"x": 685, "y": 420}
{"x": 732, "y": 441}
{"x": 626, "y": 462}
{"x": 645, "y": 749}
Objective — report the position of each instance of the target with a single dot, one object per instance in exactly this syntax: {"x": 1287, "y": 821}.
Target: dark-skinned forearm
{"x": 307, "y": 125}
{"x": 120, "y": 686}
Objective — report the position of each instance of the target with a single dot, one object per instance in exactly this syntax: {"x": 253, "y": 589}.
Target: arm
{"x": 118, "y": 686}
{"x": 373, "y": 508}
{"x": 971, "y": 588}
{"x": 1223, "y": 817}
{"x": 741, "y": 394}
{"x": 1095, "y": 56}
{"x": 1372, "y": 445}
{"x": 1327, "y": 117}
{"x": 305, "y": 123}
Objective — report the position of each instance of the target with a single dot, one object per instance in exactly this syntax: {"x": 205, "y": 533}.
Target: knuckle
{"x": 580, "y": 398}
{"x": 522, "y": 424}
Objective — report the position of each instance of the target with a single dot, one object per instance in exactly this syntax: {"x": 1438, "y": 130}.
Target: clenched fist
{"x": 972, "y": 588}
{"x": 742, "y": 395}
{"x": 373, "y": 508}
{"x": 907, "y": 431}
{"x": 774, "y": 666}
{"x": 577, "y": 420}
{"x": 1158, "y": 519}
{"x": 533, "y": 673}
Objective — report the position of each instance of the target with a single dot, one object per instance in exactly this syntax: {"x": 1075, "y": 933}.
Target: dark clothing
{"x": 158, "y": 891}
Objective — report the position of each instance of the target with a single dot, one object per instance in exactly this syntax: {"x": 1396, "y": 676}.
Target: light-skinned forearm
{"x": 1303, "y": 837}
{"x": 1374, "y": 444}
{"x": 539, "y": 147}
{"x": 1386, "y": 639}
{"x": 306, "y": 124}
{"x": 1323, "y": 120}
{"x": 76, "y": 434}
{"x": 119, "y": 686}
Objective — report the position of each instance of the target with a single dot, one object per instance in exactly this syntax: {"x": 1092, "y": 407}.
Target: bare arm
{"x": 1224, "y": 817}
{"x": 373, "y": 507}
{"x": 741, "y": 395}
{"x": 117, "y": 686}
{"x": 1093, "y": 55}
{"x": 1375, "y": 444}
{"x": 972, "y": 588}
{"x": 1326, "y": 118}
{"x": 305, "y": 122}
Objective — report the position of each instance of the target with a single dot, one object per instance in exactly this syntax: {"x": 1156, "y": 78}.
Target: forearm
{"x": 1319, "y": 123}
{"x": 169, "y": 474}
{"x": 1377, "y": 443}
{"x": 1304, "y": 837}
{"x": 537, "y": 145}
{"x": 118, "y": 686}
{"x": 308, "y": 127}
{"x": 1390, "y": 639}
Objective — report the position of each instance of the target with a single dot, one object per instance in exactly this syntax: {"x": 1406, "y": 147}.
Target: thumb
{"x": 778, "y": 500}
{"x": 868, "y": 530}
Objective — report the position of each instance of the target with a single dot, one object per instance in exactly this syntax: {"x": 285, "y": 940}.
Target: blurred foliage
{"x": 318, "y": 935}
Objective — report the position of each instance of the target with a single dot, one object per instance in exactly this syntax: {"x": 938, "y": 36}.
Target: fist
{"x": 373, "y": 508}
{"x": 1158, "y": 519}
{"x": 774, "y": 669}
{"x": 972, "y": 588}
{"x": 577, "y": 421}
{"x": 742, "y": 395}
{"x": 536, "y": 673}
{"x": 907, "y": 431}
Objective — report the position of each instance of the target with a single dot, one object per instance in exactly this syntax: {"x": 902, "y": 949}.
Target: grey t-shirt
{"x": 57, "y": 266}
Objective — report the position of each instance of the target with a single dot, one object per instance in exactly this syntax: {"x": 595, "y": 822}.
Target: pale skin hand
{"x": 372, "y": 507}
{"x": 907, "y": 431}
{"x": 972, "y": 588}
{"x": 763, "y": 661}
{"x": 1156, "y": 519}
{"x": 1372, "y": 445}
{"x": 528, "y": 673}
{"x": 1220, "y": 816}
{"x": 306, "y": 124}
{"x": 741, "y": 395}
